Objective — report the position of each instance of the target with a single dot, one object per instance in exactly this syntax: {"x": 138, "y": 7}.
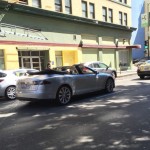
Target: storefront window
{"x": 1, "y": 59}
{"x": 33, "y": 59}
{"x": 25, "y": 53}
{"x": 124, "y": 58}
{"x": 35, "y": 53}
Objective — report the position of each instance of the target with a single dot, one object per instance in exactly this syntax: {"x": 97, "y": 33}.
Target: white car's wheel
{"x": 63, "y": 95}
{"x": 10, "y": 93}
{"x": 109, "y": 85}
{"x": 114, "y": 74}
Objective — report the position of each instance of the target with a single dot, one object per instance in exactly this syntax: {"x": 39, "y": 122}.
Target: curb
{"x": 125, "y": 74}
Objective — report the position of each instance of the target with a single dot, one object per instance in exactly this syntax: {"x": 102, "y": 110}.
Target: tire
{"x": 109, "y": 85}
{"x": 142, "y": 77}
{"x": 10, "y": 93}
{"x": 114, "y": 75}
{"x": 64, "y": 95}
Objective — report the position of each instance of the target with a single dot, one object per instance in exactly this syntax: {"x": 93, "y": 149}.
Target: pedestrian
{"x": 49, "y": 65}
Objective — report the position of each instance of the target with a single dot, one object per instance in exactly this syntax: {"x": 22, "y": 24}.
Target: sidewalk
{"x": 127, "y": 72}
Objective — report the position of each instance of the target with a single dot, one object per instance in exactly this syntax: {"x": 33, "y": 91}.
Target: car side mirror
{"x": 96, "y": 72}
{"x": 107, "y": 67}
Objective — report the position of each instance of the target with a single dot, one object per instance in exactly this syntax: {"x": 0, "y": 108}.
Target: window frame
{"x": 125, "y": 18}
{"x": 38, "y": 4}
{"x": 125, "y": 1}
{"x": 68, "y": 7}
{"x": 58, "y": 6}
{"x": 110, "y": 15}
{"x": 92, "y": 10}
{"x": 24, "y": 2}
{"x": 84, "y": 12}
{"x": 104, "y": 13}
{"x": 2, "y": 66}
{"x": 120, "y": 18}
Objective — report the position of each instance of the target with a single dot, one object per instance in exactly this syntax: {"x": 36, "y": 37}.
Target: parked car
{"x": 101, "y": 67}
{"x": 62, "y": 85}
{"x": 141, "y": 61}
{"x": 144, "y": 69}
{"x": 8, "y": 79}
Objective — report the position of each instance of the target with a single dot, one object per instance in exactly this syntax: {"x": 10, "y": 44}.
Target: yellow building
{"x": 32, "y": 32}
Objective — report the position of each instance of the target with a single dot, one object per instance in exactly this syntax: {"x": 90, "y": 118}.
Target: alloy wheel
{"x": 64, "y": 95}
{"x": 11, "y": 92}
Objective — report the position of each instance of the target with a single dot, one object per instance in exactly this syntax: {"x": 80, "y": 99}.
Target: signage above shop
{"x": 21, "y": 31}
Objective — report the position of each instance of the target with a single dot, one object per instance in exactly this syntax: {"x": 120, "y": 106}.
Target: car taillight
{"x": 1, "y": 80}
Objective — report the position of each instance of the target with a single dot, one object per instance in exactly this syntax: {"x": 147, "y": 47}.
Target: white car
{"x": 63, "y": 85}
{"x": 101, "y": 67}
{"x": 8, "y": 79}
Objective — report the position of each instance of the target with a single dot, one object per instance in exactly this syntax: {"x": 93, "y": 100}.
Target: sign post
{"x": 145, "y": 23}
{"x": 144, "y": 20}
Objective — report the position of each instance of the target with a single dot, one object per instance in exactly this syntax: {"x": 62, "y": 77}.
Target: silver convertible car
{"x": 62, "y": 85}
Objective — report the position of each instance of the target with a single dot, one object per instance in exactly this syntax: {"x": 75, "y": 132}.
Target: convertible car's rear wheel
{"x": 109, "y": 85}
{"x": 63, "y": 95}
{"x": 10, "y": 93}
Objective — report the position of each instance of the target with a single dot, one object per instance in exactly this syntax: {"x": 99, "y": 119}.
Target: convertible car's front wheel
{"x": 109, "y": 85}
{"x": 64, "y": 95}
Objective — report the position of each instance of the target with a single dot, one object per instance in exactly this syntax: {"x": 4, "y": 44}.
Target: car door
{"x": 101, "y": 81}
{"x": 85, "y": 81}
{"x": 101, "y": 67}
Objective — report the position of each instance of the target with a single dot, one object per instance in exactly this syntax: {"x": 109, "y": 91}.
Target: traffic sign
{"x": 144, "y": 20}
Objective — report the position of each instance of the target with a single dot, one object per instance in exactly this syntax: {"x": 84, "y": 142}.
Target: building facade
{"x": 147, "y": 28}
{"x": 65, "y": 32}
{"x": 138, "y": 35}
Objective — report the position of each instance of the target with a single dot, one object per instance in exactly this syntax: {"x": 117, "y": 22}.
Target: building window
{"x": 120, "y": 18}
{"x": 124, "y": 58}
{"x": 36, "y": 3}
{"x": 84, "y": 9}
{"x": 33, "y": 59}
{"x": 125, "y": 19}
{"x": 58, "y": 5}
{"x": 25, "y": 2}
{"x": 92, "y": 11}
{"x": 104, "y": 9}
{"x": 1, "y": 59}
{"x": 125, "y": 1}
{"x": 68, "y": 8}
{"x": 110, "y": 15}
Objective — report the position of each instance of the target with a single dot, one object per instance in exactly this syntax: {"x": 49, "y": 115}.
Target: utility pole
{"x": 148, "y": 28}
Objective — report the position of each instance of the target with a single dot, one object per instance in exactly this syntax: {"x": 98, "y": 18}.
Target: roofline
{"x": 53, "y": 14}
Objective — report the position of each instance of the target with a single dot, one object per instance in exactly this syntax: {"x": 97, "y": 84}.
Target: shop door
{"x": 32, "y": 62}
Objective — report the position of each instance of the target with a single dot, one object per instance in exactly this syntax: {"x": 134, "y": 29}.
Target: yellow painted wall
{"x": 10, "y": 57}
{"x": 68, "y": 58}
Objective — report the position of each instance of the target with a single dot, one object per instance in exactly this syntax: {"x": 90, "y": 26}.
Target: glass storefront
{"x": 33, "y": 59}
{"x": 1, "y": 59}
